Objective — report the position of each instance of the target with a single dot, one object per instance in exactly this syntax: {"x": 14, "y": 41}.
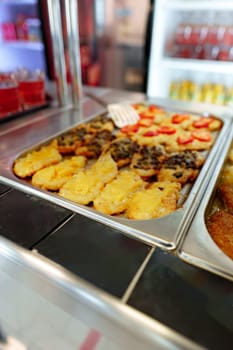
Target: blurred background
{"x": 112, "y": 40}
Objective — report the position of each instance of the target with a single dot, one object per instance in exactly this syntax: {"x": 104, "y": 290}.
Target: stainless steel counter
{"x": 111, "y": 315}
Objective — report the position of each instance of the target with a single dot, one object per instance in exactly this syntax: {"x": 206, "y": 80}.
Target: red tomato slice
{"x": 130, "y": 128}
{"x": 154, "y": 109}
{"x": 204, "y": 136}
{"x": 151, "y": 133}
{"x": 184, "y": 140}
{"x": 136, "y": 106}
{"x": 146, "y": 122}
{"x": 202, "y": 122}
{"x": 166, "y": 130}
{"x": 146, "y": 115}
{"x": 179, "y": 118}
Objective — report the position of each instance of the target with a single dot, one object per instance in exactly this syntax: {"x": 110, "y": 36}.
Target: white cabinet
{"x": 192, "y": 40}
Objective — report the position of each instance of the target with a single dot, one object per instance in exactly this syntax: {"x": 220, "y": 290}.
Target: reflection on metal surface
{"x": 54, "y": 13}
{"x": 198, "y": 247}
{"x": 71, "y": 12}
{"x": 121, "y": 323}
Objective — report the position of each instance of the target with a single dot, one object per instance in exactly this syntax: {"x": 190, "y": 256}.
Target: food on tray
{"x": 96, "y": 144}
{"x": 230, "y": 155}
{"x": 209, "y": 123}
{"x": 54, "y": 177}
{"x": 148, "y": 161}
{"x": 36, "y": 160}
{"x": 68, "y": 142}
{"x": 174, "y": 138}
{"x": 164, "y": 147}
{"x": 83, "y": 135}
{"x": 220, "y": 222}
{"x": 226, "y": 193}
{"x": 84, "y": 187}
{"x": 99, "y": 123}
{"x": 114, "y": 198}
{"x": 220, "y": 227}
{"x": 227, "y": 175}
{"x": 158, "y": 200}
{"x": 178, "y": 174}
{"x": 181, "y": 167}
{"x": 122, "y": 150}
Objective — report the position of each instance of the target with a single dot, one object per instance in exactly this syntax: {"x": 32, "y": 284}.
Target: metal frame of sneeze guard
{"x": 54, "y": 14}
{"x": 71, "y": 17}
{"x": 87, "y": 303}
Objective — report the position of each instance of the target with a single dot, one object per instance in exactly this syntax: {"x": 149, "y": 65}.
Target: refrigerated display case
{"x": 191, "y": 52}
{"x": 27, "y": 64}
{"x": 21, "y": 35}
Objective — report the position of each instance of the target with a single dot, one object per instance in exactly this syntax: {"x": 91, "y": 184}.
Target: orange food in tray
{"x": 220, "y": 222}
{"x": 137, "y": 171}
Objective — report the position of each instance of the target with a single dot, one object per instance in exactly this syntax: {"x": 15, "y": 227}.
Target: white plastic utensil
{"x": 122, "y": 114}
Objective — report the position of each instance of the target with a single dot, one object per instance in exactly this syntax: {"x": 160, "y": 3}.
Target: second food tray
{"x": 209, "y": 240}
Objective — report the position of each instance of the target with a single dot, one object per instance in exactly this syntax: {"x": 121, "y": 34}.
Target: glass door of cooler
{"x": 21, "y": 41}
{"x": 25, "y": 57}
{"x": 192, "y": 51}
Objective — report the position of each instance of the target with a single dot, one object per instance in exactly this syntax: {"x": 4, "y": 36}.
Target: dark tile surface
{"x": 25, "y": 219}
{"x": 99, "y": 254}
{"x": 3, "y": 188}
{"x": 192, "y": 301}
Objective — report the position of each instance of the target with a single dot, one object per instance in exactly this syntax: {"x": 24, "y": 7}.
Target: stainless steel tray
{"x": 164, "y": 232}
{"x": 198, "y": 247}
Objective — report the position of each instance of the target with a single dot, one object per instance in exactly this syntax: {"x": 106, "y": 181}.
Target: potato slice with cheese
{"x": 158, "y": 200}
{"x": 84, "y": 187}
{"x": 36, "y": 160}
{"x": 55, "y": 176}
{"x": 115, "y": 196}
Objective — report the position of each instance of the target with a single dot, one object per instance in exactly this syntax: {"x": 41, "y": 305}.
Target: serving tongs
{"x": 122, "y": 114}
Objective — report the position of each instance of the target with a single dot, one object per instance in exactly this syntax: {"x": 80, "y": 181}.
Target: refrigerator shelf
{"x": 183, "y": 5}
{"x": 28, "y": 45}
{"x": 198, "y": 65}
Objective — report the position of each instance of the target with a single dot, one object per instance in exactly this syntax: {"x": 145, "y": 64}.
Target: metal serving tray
{"x": 198, "y": 247}
{"x": 165, "y": 231}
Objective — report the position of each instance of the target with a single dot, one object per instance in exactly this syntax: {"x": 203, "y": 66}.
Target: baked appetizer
{"x": 209, "y": 123}
{"x": 158, "y": 200}
{"x": 181, "y": 167}
{"x": 227, "y": 174}
{"x": 122, "y": 151}
{"x": 55, "y": 176}
{"x": 114, "y": 198}
{"x": 148, "y": 161}
{"x": 100, "y": 123}
{"x": 36, "y": 160}
{"x": 95, "y": 145}
{"x": 220, "y": 227}
{"x": 226, "y": 194}
{"x": 84, "y": 187}
{"x": 69, "y": 141}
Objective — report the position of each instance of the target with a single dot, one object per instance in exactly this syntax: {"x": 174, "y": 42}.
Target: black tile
{"x": 192, "y": 301}
{"x": 3, "y": 188}
{"x": 25, "y": 219}
{"x": 99, "y": 254}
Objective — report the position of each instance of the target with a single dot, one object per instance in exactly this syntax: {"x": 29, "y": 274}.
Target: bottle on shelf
{"x": 21, "y": 27}
{"x": 207, "y": 92}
